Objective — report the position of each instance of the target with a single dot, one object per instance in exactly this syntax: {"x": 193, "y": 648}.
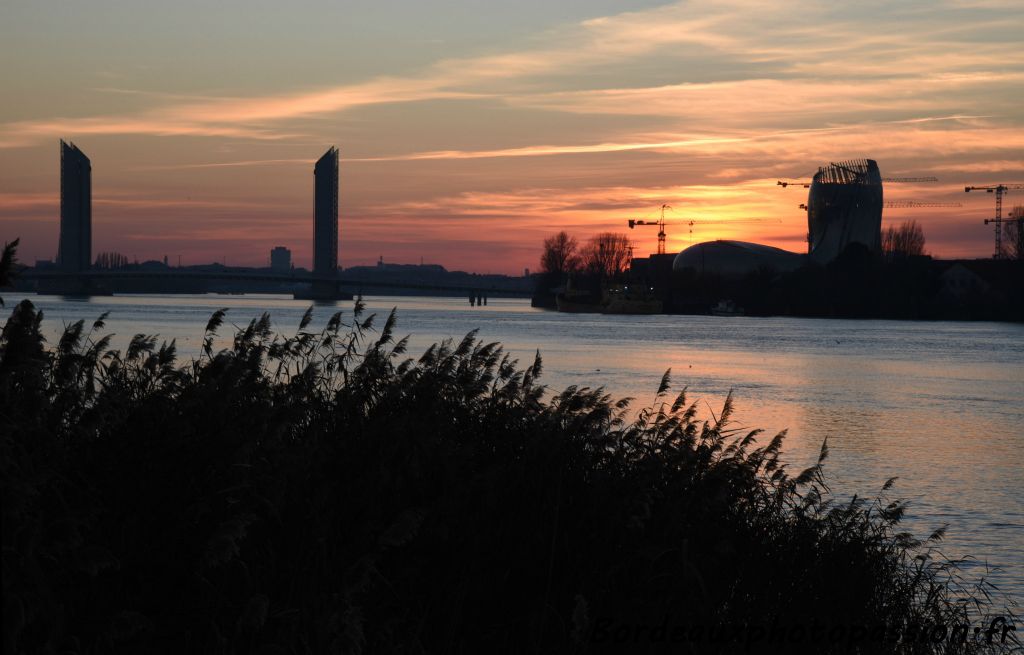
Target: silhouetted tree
{"x": 7, "y": 262}
{"x": 110, "y": 260}
{"x": 1014, "y": 233}
{"x": 560, "y": 255}
{"x": 905, "y": 240}
{"x": 606, "y": 255}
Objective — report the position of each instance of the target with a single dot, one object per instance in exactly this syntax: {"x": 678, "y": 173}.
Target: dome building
{"x": 735, "y": 258}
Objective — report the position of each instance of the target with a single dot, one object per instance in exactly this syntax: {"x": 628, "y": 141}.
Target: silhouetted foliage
{"x": 606, "y": 255}
{"x": 321, "y": 493}
{"x": 110, "y": 260}
{"x": 904, "y": 240}
{"x": 560, "y": 256}
{"x": 7, "y": 261}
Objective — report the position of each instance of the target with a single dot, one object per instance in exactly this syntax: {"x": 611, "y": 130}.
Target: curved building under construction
{"x": 844, "y": 206}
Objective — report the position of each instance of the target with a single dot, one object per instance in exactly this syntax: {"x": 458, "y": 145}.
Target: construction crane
{"x": 899, "y": 180}
{"x": 999, "y": 190}
{"x": 741, "y": 221}
{"x": 908, "y": 204}
{"x": 661, "y": 228}
{"x": 690, "y": 223}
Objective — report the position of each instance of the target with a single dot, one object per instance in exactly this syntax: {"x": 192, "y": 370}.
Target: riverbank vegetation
{"x": 321, "y": 492}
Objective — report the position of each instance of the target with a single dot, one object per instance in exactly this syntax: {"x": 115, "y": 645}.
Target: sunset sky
{"x": 469, "y": 131}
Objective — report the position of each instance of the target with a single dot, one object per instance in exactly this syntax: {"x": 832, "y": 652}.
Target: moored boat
{"x": 624, "y": 299}
{"x": 726, "y": 308}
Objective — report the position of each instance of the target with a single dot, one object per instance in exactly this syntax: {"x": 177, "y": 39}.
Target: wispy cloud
{"x": 916, "y": 138}
{"x": 249, "y": 118}
{"x": 824, "y": 63}
{"x": 544, "y": 150}
{"x": 1014, "y": 166}
{"x": 24, "y": 133}
{"x": 228, "y": 164}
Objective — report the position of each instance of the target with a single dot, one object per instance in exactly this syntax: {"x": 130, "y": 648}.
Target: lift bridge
{"x": 74, "y": 274}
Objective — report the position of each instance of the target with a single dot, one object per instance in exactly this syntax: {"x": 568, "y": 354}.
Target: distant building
{"x": 325, "y": 215}
{"x": 281, "y": 259}
{"x": 735, "y": 258}
{"x": 844, "y": 206}
{"x": 74, "y": 249}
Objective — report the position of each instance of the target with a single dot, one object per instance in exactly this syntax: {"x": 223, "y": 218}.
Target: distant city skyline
{"x": 467, "y": 132}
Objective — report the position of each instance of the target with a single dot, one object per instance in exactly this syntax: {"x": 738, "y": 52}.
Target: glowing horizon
{"x": 466, "y": 137}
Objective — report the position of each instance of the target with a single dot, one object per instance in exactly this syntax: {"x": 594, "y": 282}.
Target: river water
{"x": 937, "y": 404}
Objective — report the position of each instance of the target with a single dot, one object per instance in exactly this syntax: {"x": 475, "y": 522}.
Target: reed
{"x": 322, "y": 492}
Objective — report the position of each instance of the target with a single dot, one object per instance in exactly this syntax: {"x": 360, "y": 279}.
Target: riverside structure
{"x": 844, "y": 206}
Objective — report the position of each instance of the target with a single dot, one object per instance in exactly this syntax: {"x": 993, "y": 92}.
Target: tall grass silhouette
{"x": 321, "y": 492}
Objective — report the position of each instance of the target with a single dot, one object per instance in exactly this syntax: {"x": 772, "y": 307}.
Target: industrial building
{"x": 325, "y": 215}
{"x": 74, "y": 248}
{"x": 844, "y": 206}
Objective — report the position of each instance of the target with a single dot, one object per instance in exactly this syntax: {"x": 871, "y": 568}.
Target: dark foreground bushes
{"x": 321, "y": 494}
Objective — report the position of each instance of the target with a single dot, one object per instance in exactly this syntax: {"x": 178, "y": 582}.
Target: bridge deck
{"x": 244, "y": 276}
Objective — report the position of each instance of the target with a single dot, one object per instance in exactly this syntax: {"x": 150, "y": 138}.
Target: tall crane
{"x": 999, "y": 190}
{"x": 900, "y": 180}
{"x": 661, "y": 228}
{"x": 908, "y": 204}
